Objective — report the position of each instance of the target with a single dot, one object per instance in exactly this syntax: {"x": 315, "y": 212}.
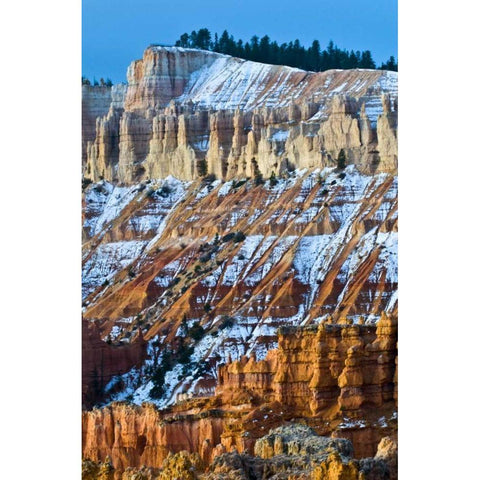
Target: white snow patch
{"x": 238, "y": 263}
{"x": 107, "y": 260}
{"x": 225, "y": 188}
{"x": 280, "y": 135}
{"x": 118, "y": 199}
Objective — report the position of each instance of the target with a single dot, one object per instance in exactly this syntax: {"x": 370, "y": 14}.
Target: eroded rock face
{"x": 96, "y": 102}
{"x": 293, "y": 452}
{"x": 322, "y": 459}
{"x": 162, "y": 74}
{"x": 133, "y": 436}
{"x": 221, "y": 213}
{"x": 348, "y": 366}
{"x": 388, "y": 451}
{"x": 181, "y": 465}
{"x": 298, "y": 440}
{"x": 387, "y": 136}
{"x": 253, "y": 395}
{"x": 188, "y": 112}
{"x": 102, "y": 361}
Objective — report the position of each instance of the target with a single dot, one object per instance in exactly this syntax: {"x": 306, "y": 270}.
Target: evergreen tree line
{"x": 292, "y": 54}
{"x": 103, "y": 83}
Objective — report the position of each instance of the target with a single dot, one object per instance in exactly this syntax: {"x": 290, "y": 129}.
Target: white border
{"x": 439, "y": 188}
{"x": 41, "y": 237}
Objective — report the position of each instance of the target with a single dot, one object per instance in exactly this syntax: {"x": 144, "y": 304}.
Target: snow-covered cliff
{"x": 187, "y": 112}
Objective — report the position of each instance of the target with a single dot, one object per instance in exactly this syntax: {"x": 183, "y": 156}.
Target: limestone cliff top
{"x": 218, "y": 81}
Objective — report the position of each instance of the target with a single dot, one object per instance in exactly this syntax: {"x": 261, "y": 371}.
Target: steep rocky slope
{"x": 239, "y": 264}
{"x": 96, "y": 102}
{"x": 238, "y": 259}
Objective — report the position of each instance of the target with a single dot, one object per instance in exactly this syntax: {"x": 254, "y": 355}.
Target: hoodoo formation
{"x": 185, "y": 112}
{"x": 239, "y": 271}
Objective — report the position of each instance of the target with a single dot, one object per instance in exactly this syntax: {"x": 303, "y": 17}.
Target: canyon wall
{"x": 293, "y": 452}
{"x": 102, "y": 361}
{"x": 337, "y": 378}
{"x": 189, "y": 112}
{"x": 239, "y": 268}
{"x": 96, "y": 102}
{"x": 315, "y": 368}
{"x": 133, "y": 435}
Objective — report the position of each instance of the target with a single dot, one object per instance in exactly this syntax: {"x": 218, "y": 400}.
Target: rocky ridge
{"x": 315, "y": 368}
{"x": 189, "y": 112}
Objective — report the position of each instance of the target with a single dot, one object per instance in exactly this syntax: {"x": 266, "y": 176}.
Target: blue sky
{"x": 115, "y": 32}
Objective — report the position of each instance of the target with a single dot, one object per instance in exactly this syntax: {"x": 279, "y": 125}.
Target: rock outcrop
{"x": 316, "y": 368}
{"x": 102, "y": 361}
{"x": 162, "y": 74}
{"x": 96, "y": 102}
{"x": 98, "y": 470}
{"x": 273, "y": 391}
{"x": 141, "y": 435}
{"x": 190, "y": 112}
{"x": 298, "y": 440}
{"x": 293, "y": 452}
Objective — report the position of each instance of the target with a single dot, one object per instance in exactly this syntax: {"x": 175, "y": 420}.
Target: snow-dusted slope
{"x": 312, "y": 244}
{"x": 231, "y": 83}
{"x": 216, "y": 81}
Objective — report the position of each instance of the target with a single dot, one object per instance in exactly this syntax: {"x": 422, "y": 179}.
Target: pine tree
{"x": 273, "y": 179}
{"x": 240, "y": 51}
{"x": 223, "y": 42}
{"x": 193, "y": 39}
{"x": 352, "y": 60}
{"x": 275, "y": 53}
{"x": 390, "y": 65}
{"x": 203, "y": 39}
{"x": 215, "y": 43}
{"x": 264, "y": 49}
{"x": 255, "y": 48}
{"x": 247, "y": 52}
{"x": 202, "y": 168}
{"x": 232, "y": 47}
{"x": 329, "y": 55}
{"x": 298, "y": 55}
{"x": 341, "y": 160}
{"x": 314, "y": 56}
{"x": 367, "y": 60}
{"x": 183, "y": 41}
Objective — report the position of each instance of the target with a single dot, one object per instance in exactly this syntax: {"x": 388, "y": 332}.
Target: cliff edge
{"x": 189, "y": 113}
